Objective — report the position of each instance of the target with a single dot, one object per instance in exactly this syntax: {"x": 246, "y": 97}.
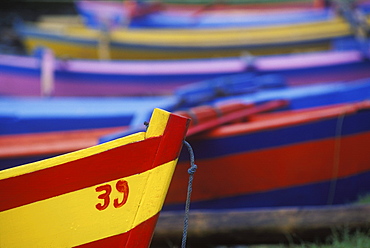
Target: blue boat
{"x": 94, "y": 13}
{"x": 151, "y": 15}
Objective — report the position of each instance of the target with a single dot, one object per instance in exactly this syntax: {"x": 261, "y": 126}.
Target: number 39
{"x": 121, "y": 186}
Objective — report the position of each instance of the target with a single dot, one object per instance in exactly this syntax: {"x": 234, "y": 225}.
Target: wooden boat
{"x": 32, "y": 129}
{"x": 81, "y": 42}
{"x": 241, "y": 3}
{"x": 44, "y": 75}
{"x": 273, "y": 225}
{"x": 225, "y": 19}
{"x": 311, "y": 156}
{"x": 249, "y": 4}
{"x": 74, "y": 201}
{"x": 151, "y": 15}
{"x": 37, "y": 128}
{"x": 56, "y": 126}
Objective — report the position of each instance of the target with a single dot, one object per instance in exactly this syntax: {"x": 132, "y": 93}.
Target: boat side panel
{"x": 218, "y": 146}
{"x": 344, "y": 190}
{"x": 125, "y": 51}
{"x": 132, "y": 185}
{"x": 54, "y": 181}
{"x": 68, "y": 49}
{"x": 143, "y": 232}
{"x": 95, "y": 85}
{"x": 275, "y": 168}
{"x": 349, "y": 71}
{"x": 11, "y": 77}
{"x": 88, "y": 214}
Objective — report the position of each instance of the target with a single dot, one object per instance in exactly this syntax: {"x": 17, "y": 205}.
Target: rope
{"x": 338, "y": 136}
{"x": 191, "y": 171}
{"x": 146, "y": 125}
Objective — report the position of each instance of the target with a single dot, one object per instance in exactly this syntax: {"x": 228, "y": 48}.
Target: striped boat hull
{"x": 80, "y": 42}
{"x": 22, "y": 75}
{"x": 315, "y": 158}
{"x": 107, "y": 195}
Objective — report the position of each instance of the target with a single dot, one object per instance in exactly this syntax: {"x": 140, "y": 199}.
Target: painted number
{"x": 121, "y": 187}
{"x": 105, "y": 196}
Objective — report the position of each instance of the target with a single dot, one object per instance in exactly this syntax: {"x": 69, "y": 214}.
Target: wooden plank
{"x": 257, "y": 226}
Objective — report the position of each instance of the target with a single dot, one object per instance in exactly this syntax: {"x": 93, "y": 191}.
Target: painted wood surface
{"x": 105, "y": 195}
{"x": 18, "y": 149}
{"x": 20, "y": 75}
{"x": 235, "y": 116}
{"x": 303, "y": 157}
{"x": 95, "y": 14}
{"x": 80, "y": 42}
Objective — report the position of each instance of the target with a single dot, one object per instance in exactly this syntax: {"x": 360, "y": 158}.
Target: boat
{"x": 304, "y": 157}
{"x": 152, "y": 15}
{"x": 60, "y": 125}
{"x": 57, "y": 125}
{"x": 74, "y": 201}
{"x": 78, "y": 41}
{"x": 35, "y": 128}
{"x": 224, "y": 19}
{"x": 232, "y": 4}
{"x": 45, "y": 75}
{"x": 208, "y": 5}
{"x": 270, "y": 225}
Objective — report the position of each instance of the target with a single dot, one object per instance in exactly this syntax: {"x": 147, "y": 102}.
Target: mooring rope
{"x": 191, "y": 171}
{"x": 336, "y": 160}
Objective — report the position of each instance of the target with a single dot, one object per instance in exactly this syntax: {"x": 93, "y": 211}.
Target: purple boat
{"x": 45, "y": 75}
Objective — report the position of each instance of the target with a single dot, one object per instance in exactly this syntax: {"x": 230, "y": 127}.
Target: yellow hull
{"x": 76, "y": 41}
{"x": 108, "y": 195}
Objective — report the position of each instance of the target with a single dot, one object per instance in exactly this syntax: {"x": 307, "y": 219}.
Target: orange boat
{"x": 108, "y": 195}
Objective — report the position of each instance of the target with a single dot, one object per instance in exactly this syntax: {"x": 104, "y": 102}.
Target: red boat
{"x": 304, "y": 157}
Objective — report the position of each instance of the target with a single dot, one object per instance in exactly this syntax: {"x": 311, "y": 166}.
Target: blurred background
{"x": 278, "y": 92}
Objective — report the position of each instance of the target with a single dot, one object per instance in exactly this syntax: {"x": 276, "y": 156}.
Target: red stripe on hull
{"x": 138, "y": 237}
{"x": 99, "y": 168}
{"x": 87, "y": 171}
{"x": 24, "y": 189}
{"x": 271, "y": 169}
